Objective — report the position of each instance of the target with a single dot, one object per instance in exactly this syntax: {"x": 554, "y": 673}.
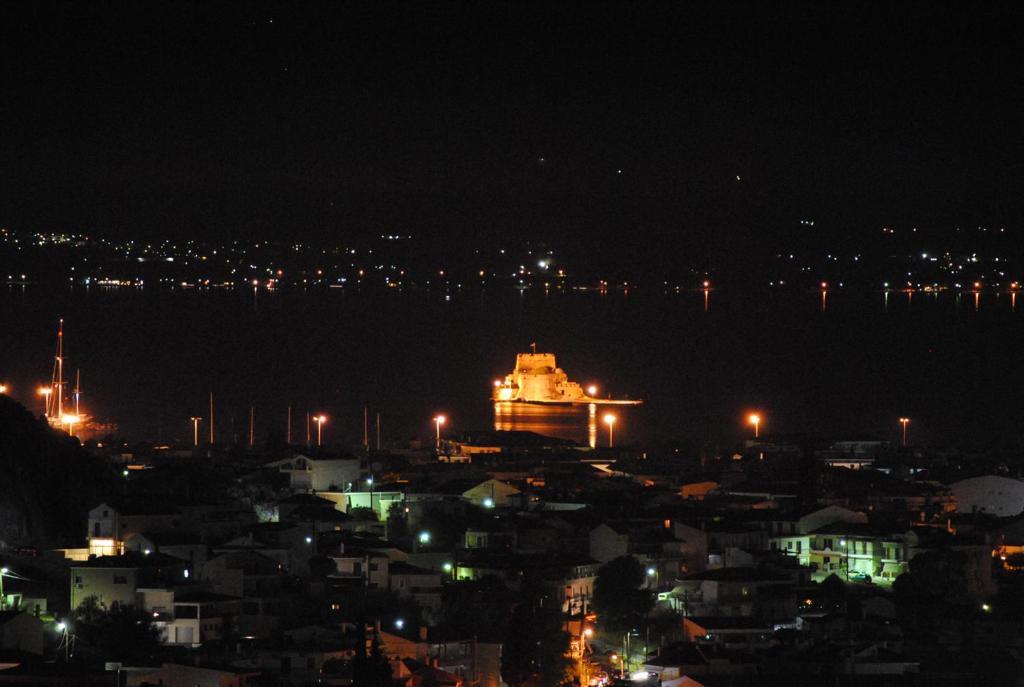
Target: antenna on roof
{"x": 533, "y": 347}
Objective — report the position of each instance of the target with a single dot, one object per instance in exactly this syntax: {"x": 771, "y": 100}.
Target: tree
{"x": 476, "y": 608}
{"x": 120, "y": 633}
{"x": 933, "y": 594}
{"x": 620, "y": 602}
{"x": 373, "y": 669}
{"x": 398, "y": 524}
{"x": 535, "y": 650}
{"x": 48, "y": 481}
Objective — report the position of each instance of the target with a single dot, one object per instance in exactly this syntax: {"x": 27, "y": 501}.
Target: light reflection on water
{"x": 578, "y": 423}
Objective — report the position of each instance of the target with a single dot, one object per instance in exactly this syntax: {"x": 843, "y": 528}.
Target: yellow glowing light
{"x": 44, "y": 391}
{"x": 589, "y": 632}
{"x": 754, "y": 419}
{"x": 321, "y": 418}
{"x": 497, "y": 382}
{"x": 440, "y": 419}
{"x": 3, "y": 388}
{"x": 824, "y": 284}
{"x": 592, "y": 390}
{"x": 707, "y": 284}
{"x": 609, "y": 419}
{"x": 70, "y": 419}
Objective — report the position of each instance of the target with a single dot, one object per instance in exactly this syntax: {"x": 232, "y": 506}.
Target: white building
{"x": 992, "y": 494}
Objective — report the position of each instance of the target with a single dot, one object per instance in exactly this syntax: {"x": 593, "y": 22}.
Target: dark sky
{"x": 457, "y": 120}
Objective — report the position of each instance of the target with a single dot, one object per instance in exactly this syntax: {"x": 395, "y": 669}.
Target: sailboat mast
{"x": 60, "y": 371}
{"x": 289, "y": 433}
{"x": 78, "y": 390}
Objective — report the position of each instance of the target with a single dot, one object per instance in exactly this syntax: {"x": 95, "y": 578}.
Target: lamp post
{"x": 319, "y": 420}
{"x": 653, "y": 572}
{"x": 585, "y": 632}
{"x": 755, "y": 420}
{"x": 45, "y": 392}
{"x": 438, "y": 421}
{"x": 195, "y": 430}
{"x": 70, "y": 420}
{"x": 846, "y": 554}
{"x": 609, "y": 420}
{"x": 904, "y": 421}
{"x": 65, "y": 639}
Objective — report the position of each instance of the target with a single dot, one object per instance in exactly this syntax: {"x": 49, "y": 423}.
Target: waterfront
{"x": 150, "y": 357}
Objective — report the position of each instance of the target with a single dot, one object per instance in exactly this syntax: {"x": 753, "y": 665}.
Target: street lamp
{"x": 3, "y": 388}
{"x": 592, "y": 390}
{"x": 438, "y": 421}
{"x": 424, "y": 537}
{"x": 755, "y": 419}
{"x": 65, "y": 640}
{"x": 70, "y": 421}
{"x": 195, "y": 430}
{"x": 904, "y": 421}
{"x": 319, "y": 420}
{"x": 609, "y": 420}
{"x": 45, "y": 392}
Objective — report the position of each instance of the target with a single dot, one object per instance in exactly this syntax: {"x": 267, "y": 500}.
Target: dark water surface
{"x": 149, "y": 358}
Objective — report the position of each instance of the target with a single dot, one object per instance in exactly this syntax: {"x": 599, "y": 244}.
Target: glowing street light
{"x": 3, "y": 599}
{"x": 45, "y": 392}
{"x": 70, "y": 421}
{"x": 438, "y": 421}
{"x": 65, "y": 640}
{"x": 755, "y": 419}
{"x": 3, "y": 388}
{"x": 195, "y": 430}
{"x": 609, "y": 420}
{"x": 424, "y": 537}
{"x": 592, "y": 390}
{"x": 319, "y": 420}
{"x": 904, "y": 421}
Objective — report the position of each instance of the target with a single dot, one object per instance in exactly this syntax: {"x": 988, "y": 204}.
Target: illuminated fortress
{"x": 538, "y": 379}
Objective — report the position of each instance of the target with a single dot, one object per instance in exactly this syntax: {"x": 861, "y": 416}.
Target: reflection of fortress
{"x": 538, "y": 379}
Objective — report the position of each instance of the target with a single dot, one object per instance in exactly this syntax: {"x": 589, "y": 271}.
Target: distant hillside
{"x": 47, "y": 481}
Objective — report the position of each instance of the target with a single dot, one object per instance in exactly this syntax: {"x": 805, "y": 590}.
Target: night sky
{"x": 625, "y": 122}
